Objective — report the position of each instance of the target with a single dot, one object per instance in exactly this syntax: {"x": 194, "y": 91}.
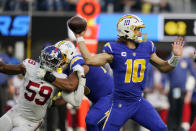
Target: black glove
{"x": 49, "y": 77}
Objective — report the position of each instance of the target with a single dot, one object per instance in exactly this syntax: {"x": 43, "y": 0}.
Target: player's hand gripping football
{"x": 77, "y": 24}
{"x": 178, "y": 46}
{"x": 81, "y": 34}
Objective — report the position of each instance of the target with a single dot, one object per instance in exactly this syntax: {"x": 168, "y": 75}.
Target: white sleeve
{"x": 76, "y": 96}
{"x": 25, "y": 62}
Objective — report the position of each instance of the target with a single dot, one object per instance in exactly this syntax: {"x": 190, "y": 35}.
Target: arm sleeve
{"x": 25, "y": 62}
{"x": 108, "y": 48}
{"x": 76, "y": 61}
{"x": 152, "y": 48}
{"x": 76, "y": 96}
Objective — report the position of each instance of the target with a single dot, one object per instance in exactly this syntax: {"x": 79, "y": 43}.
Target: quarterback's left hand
{"x": 177, "y": 46}
{"x": 41, "y": 73}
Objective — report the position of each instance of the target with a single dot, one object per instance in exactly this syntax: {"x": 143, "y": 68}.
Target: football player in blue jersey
{"x": 129, "y": 57}
{"x": 99, "y": 84}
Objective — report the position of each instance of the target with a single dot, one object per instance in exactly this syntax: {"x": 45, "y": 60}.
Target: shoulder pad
{"x": 74, "y": 60}
{"x": 108, "y": 48}
{"x": 29, "y": 62}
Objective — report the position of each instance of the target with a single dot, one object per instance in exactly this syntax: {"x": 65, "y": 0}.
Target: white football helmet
{"x": 130, "y": 26}
{"x": 68, "y": 50}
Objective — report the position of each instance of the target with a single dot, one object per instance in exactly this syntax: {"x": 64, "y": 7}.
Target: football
{"x": 77, "y": 24}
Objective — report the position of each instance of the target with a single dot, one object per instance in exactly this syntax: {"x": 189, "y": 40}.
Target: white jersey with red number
{"x": 36, "y": 94}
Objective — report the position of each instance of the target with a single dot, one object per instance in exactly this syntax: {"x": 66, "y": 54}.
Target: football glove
{"x": 45, "y": 75}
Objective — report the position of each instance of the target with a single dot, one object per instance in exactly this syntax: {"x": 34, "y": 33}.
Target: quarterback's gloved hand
{"x": 41, "y": 73}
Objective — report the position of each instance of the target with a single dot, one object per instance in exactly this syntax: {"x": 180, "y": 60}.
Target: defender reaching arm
{"x": 71, "y": 82}
{"x": 12, "y": 69}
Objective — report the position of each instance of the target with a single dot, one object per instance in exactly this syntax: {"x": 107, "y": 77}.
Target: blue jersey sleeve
{"x": 153, "y": 48}
{"x": 76, "y": 60}
{"x": 149, "y": 78}
{"x": 107, "y": 48}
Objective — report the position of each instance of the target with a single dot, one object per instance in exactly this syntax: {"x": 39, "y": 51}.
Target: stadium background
{"x": 50, "y": 27}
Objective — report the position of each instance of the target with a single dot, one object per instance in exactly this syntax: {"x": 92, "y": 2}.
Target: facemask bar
{"x": 50, "y": 63}
{"x": 64, "y": 55}
{"x": 139, "y": 36}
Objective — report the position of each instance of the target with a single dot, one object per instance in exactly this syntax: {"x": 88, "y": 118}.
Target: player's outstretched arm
{"x": 12, "y": 69}
{"x": 71, "y": 82}
{"x": 67, "y": 84}
{"x": 166, "y": 66}
{"x": 95, "y": 60}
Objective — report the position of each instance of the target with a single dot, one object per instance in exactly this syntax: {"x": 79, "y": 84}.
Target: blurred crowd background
{"x": 143, "y": 6}
{"x": 173, "y": 94}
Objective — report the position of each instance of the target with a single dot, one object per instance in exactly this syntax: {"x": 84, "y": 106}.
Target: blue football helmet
{"x": 51, "y": 58}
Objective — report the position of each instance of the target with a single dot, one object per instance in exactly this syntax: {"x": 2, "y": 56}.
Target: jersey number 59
{"x": 44, "y": 91}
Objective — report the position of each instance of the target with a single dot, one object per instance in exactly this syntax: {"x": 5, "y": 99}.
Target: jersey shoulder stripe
{"x": 74, "y": 60}
{"x": 108, "y": 48}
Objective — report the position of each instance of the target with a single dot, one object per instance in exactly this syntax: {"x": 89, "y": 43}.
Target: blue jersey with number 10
{"x": 129, "y": 68}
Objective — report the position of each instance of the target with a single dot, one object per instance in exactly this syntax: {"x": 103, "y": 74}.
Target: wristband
{"x": 80, "y": 39}
{"x": 49, "y": 77}
{"x": 173, "y": 61}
